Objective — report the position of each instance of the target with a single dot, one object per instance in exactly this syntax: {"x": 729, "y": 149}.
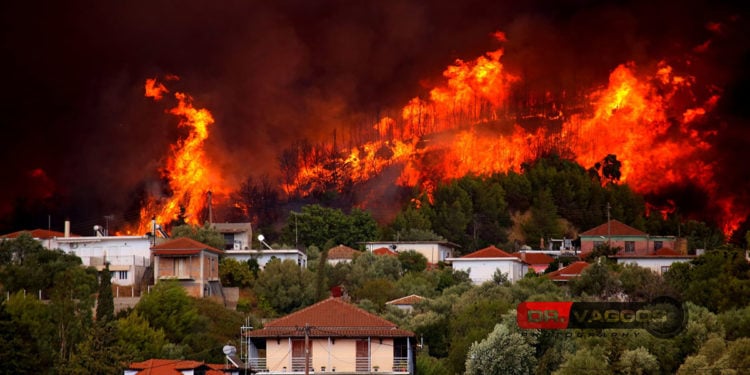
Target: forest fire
{"x": 190, "y": 177}
{"x": 648, "y": 118}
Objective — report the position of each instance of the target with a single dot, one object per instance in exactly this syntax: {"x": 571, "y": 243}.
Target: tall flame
{"x": 188, "y": 170}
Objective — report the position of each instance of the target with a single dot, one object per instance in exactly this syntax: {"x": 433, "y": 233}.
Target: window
{"x": 658, "y": 245}
{"x": 122, "y": 275}
{"x": 664, "y": 269}
{"x": 629, "y": 246}
{"x": 598, "y": 244}
{"x": 228, "y": 241}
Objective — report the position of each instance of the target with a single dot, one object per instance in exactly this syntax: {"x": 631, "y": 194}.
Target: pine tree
{"x": 105, "y": 304}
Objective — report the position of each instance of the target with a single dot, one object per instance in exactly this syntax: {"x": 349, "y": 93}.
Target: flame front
{"x": 188, "y": 171}
{"x": 465, "y": 127}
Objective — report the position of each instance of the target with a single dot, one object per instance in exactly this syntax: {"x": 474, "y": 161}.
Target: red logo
{"x": 543, "y": 315}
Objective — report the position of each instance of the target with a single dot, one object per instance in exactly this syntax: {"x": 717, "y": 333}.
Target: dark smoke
{"x": 274, "y": 72}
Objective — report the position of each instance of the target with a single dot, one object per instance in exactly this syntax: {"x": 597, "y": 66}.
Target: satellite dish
{"x": 229, "y": 350}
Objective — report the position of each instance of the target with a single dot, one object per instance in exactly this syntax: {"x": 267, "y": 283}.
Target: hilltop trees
{"x": 316, "y": 225}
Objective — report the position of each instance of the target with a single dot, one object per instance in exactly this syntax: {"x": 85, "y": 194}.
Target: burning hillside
{"x": 652, "y": 118}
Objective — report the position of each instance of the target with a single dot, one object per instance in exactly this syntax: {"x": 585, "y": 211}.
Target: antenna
{"x": 261, "y": 238}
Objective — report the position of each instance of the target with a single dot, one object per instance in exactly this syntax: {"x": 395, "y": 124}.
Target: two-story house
{"x": 632, "y": 241}
{"x": 193, "y": 264}
{"x": 129, "y": 257}
{"x": 340, "y": 337}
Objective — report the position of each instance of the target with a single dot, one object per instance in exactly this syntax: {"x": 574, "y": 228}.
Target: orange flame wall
{"x": 464, "y": 127}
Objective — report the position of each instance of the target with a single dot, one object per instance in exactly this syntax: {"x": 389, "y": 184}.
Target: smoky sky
{"x": 79, "y": 135}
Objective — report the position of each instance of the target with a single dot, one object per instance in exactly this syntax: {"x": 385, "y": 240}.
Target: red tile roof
{"x": 488, "y": 252}
{"x": 173, "y": 367}
{"x": 408, "y": 300}
{"x": 183, "y": 246}
{"x": 616, "y": 228}
{"x": 37, "y": 233}
{"x": 341, "y": 252}
{"x": 385, "y": 251}
{"x": 566, "y": 273}
{"x": 331, "y": 317}
{"x": 534, "y": 258}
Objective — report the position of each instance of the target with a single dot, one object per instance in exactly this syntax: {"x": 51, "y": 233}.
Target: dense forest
{"x": 464, "y": 328}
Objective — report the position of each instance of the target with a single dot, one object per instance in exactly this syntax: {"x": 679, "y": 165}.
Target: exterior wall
{"x": 654, "y": 264}
{"x": 643, "y": 245}
{"x": 434, "y": 252}
{"x": 124, "y": 253}
{"x": 338, "y": 354}
{"x": 265, "y": 256}
{"x": 198, "y": 270}
{"x": 481, "y": 270}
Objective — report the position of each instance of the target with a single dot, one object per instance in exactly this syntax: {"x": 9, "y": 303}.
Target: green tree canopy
{"x": 502, "y": 352}
{"x": 285, "y": 286}
{"x": 169, "y": 308}
{"x": 204, "y": 234}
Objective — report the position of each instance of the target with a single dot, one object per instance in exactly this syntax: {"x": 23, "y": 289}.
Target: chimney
{"x": 67, "y": 228}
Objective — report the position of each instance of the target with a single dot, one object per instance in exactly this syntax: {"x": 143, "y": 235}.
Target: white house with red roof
{"x": 659, "y": 262}
{"x": 341, "y": 254}
{"x": 567, "y": 273}
{"x": 406, "y": 303}
{"x": 434, "y": 251}
{"x": 341, "y": 338}
{"x": 482, "y": 264}
{"x": 193, "y": 264}
{"x": 631, "y": 240}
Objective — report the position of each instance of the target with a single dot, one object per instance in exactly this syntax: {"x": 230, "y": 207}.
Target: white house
{"x": 659, "y": 261}
{"x": 434, "y": 251}
{"x": 266, "y": 255}
{"x": 341, "y": 254}
{"x": 482, "y": 265}
{"x": 128, "y": 256}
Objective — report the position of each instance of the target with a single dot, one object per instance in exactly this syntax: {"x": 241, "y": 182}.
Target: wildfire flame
{"x": 465, "y": 127}
{"x": 189, "y": 173}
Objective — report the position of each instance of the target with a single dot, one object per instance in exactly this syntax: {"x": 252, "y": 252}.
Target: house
{"x": 263, "y": 256}
{"x": 482, "y": 265}
{"x": 177, "y": 367}
{"x": 237, "y": 236}
{"x": 434, "y": 251}
{"x": 341, "y": 254}
{"x": 129, "y": 257}
{"x": 406, "y": 303}
{"x": 565, "y": 274}
{"x": 193, "y": 264}
{"x": 631, "y": 240}
{"x": 384, "y": 251}
{"x": 341, "y": 338}
{"x": 659, "y": 262}
{"x": 536, "y": 260}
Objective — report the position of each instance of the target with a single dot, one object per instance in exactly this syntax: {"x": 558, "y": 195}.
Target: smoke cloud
{"x": 272, "y": 73}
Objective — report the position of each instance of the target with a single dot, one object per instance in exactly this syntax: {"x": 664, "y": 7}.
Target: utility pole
{"x": 609, "y": 228}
